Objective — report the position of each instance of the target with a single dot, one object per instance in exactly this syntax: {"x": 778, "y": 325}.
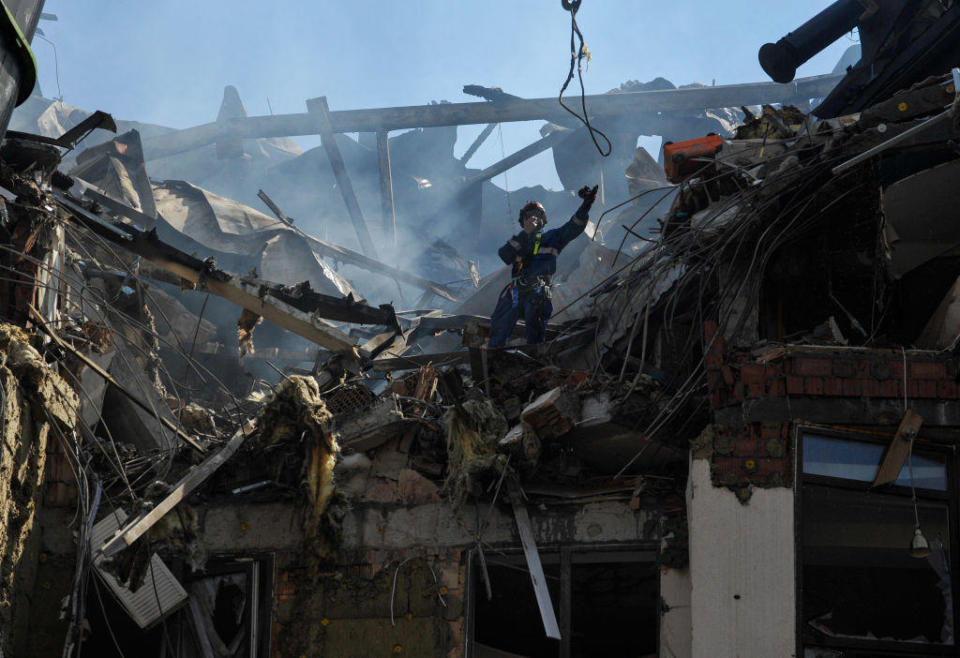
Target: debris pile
{"x": 254, "y": 451}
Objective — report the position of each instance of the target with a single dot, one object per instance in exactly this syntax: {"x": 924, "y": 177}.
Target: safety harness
{"x": 540, "y": 286}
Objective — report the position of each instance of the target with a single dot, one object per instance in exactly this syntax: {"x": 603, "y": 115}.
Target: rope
{"x": 577, "y": 54}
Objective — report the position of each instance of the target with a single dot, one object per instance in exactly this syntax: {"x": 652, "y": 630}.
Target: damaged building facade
{"x": 222, "y": 438}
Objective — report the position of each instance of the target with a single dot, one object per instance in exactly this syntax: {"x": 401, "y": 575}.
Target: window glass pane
{"x": 858, "y": 460}
{"x": 859, "y": 578}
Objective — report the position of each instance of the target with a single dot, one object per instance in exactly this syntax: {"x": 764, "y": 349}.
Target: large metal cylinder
{"x": 13, "y": 77}
{"x": 781, "y": 59}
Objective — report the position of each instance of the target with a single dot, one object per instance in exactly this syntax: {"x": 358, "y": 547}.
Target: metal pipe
{"x": 781, "y": 59}
{"x": 13, "y": 59}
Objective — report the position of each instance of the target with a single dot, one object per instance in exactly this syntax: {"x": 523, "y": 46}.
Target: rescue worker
{"x": 532, "y": 254}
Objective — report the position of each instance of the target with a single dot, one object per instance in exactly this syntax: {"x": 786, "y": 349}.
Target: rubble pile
{"x": 228, "y": 449}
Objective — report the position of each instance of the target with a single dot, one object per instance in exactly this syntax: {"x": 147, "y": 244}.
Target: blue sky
{"x": 167, "y": 61}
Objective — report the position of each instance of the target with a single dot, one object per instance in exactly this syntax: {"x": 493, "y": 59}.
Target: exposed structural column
{"x": 317, "y": 107}
{"x": 386, "y": 184}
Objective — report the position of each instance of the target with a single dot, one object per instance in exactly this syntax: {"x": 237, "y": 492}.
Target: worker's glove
{"x": 588, "y": 194}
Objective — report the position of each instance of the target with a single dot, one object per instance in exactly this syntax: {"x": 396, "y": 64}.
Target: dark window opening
{"x": 861, "y": 585}
{"x": 511, "y": 621}
{"x": 606, "y": 604}
{"x": 228, "y": 614}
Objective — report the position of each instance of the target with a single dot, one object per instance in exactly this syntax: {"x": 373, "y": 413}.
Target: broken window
{"x": 862, "y": 587}
{"x": 606, "y": 603}
{"x": 228, "y": 615}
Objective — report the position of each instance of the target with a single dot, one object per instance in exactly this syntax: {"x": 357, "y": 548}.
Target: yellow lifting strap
{"x": 536, "y": 245}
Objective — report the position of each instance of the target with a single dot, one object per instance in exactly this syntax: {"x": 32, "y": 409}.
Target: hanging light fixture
{"x": 919, "y": 546}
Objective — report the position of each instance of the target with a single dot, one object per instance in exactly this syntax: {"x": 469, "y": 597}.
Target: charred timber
{"x": 458, "y": 114}
{"x": 297, "y": 308}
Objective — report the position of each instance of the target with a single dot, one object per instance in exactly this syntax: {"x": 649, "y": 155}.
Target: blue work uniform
{"x": 533, "y": 259}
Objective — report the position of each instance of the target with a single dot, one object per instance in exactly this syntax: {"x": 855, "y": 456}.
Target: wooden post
{"x": 386, "y": 185}
{"x": 321, "y": 114}
{"x": 481, "y": 138}
{"x": 517, "y": 157}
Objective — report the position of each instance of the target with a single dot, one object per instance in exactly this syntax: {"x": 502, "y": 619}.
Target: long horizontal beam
{"x": 459, "y": 114}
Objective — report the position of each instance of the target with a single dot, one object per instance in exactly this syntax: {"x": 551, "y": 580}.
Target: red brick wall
{"x": 759, "y": 454}
{"x": 801, "y": 372}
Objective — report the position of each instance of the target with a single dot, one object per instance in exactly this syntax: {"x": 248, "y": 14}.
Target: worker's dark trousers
{"x": 536, "y": 312}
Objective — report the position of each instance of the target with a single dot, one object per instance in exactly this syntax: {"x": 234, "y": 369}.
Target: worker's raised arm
{"x": 578, "y": 222}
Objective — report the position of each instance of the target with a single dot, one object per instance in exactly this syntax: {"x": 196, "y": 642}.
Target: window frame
{"x": 566, "y": 555}
{"x": 925, "y": 446}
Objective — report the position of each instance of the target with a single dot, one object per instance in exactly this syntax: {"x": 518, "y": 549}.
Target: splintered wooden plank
{"x": 196, "y": 476}
{"x": 539, "y": 580}
{"x": 899, "y": 448}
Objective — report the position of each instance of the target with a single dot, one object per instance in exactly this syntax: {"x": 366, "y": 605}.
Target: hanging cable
{"x": 506, "y": 183}
{"x": 577, "y": 53}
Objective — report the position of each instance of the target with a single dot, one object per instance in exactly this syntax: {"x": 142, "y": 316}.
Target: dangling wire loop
{"x": 577, "y": 53}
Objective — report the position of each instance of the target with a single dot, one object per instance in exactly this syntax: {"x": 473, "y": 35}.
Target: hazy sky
{"x": 167, "y": 61}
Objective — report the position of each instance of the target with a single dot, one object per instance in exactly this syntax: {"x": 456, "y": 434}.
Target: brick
{"x": 768, "y": 465}
{"x": 713, "y": 379}
{"x": 862, "y": 368}
{"x": 773, "y": 371}
{"x": 844, "y": 369}
{"x": 751, "y": 374}
{"x": 890, "y": 388}
{"x": 552, "y": 414}
{"x": 913, "y": 388}
{"x": 928, "y": 370}
{"x": 710, "y": 329}
{"x": 852, "y": 388}
{"x": 870, "y": 387}
{"x": 738, "y": 391}
{"x": 769, "y": 431}
{"x": 717, "y": 398}
{"x": 745, "y": 447}
{"x": 794, "y": 385}
{"x": 286, "y": 590}
{"x": 810, "y": 367}
{"x": 814, "y": 385}
{"x": 881, "y": 369}
{"x": 727, "y": 470}
{"x": 712, "y": 360}
{"x": 728, "y": 375}
{"x": 755, "y": 390}
{"x": 926, "y": 388}
{"x": 896, "y": 368}
{"x": 833, "y": 386}
{"x": 776, "y": 388}
{"x": 947, "y": 390}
